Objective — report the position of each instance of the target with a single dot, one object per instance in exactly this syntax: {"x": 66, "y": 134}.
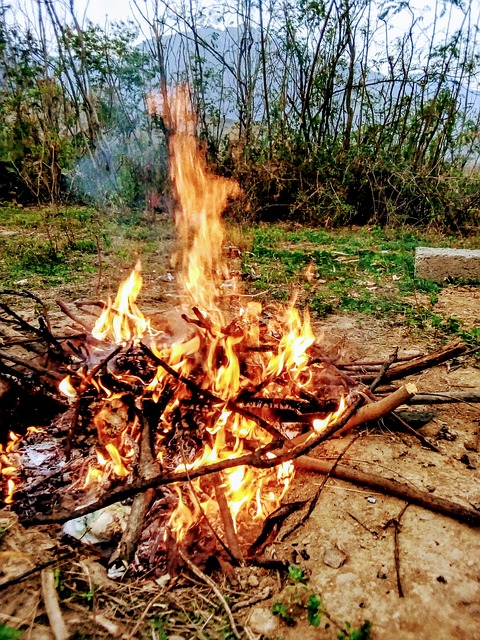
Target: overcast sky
{"x": 104, "y": 11}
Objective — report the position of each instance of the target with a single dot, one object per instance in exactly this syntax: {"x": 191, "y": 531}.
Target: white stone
{"x": 262, "y": 621}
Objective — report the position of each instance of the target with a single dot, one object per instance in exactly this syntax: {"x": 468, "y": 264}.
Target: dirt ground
{"x": 438, "y": 557}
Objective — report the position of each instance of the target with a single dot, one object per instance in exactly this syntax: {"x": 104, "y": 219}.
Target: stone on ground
{"x": 447, "y": 264}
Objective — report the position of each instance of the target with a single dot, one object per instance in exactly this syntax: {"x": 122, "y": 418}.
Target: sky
{"x": 104, "y": 11}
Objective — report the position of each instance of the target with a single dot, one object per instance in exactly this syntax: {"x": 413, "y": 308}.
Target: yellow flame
{"x": 119, "y": 468}
{"x": 122, "y": 320}
{"x": 67, "y": 388}
{"x": 213, "y": 352}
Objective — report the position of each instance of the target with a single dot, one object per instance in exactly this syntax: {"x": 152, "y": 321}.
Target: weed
{"x": 296, "y": 574}
{"x": 8, "y": 633}
{"x": 362, "y": 633}
{"x": 158, "y": 628}
{"x": 314, "y": 615}
{"x": 370, "y": 271}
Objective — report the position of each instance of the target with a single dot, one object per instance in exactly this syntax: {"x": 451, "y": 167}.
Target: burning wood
{"x": 219, "y": 401}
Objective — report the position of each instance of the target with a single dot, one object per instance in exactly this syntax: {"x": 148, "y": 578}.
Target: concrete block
{"x": 447, "y": 264}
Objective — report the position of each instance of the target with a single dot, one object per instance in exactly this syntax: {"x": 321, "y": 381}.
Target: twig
{"x": 316, "y": 497}
{"x": 395, "y": 522}
{"x": 147, "y": 468}
{"x": 451, "y": 350}
{"x": 41, "y": 371}
{"x": 214, "y": 588}
{"x": 37, "y": 569}
{"x": 225, "y": 513}
{"x": 445, "y": 397}
{"x": 86, "y": 381}
{"x": 24, "y": 341}
{"x": 256, "y": 459}
{"x": 133, "y": 633}
{"x": 73, "y": 316}
{"x": 354, "y": 517}
{"x": 50, "y": 599}
{"x": 425, "y": 441}
{"x": 211, "y": 397}
{"x": 385, "y": 367}
{"x": 380, "y": 408}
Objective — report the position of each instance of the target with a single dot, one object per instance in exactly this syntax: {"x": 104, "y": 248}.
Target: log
{"x": 376, "y": 410}
{"x": 387, "y": 486}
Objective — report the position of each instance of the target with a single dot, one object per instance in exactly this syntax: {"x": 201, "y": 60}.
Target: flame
{"x": 67, "y": 388}
{"x": 122, "y": 321}
{"x": 212, "y": 353}
{"x": 202, "y": 198}
{"x": 10, "y": 466}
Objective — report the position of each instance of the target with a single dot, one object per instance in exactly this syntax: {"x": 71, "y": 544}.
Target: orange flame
{"x": 210, "y": 352}
{"x": 122, "y": 321}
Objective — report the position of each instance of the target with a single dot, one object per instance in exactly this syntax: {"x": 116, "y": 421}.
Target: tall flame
{"x": 202, "y": 197}
{"x": 213, "y": 352}
{"x": 122, "y": 321}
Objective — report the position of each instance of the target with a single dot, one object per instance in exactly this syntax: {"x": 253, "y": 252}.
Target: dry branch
{"x": 227, "y": 520}
{"x": 39, "y": 370}
{"x": 256, "y": 459}
{"x": 50, "y": 599}
{"x": 463, "y": 513}
{"x": 451, "y": 350}
{"x": 445, "y": 397}
{"x": 80, "y": 321}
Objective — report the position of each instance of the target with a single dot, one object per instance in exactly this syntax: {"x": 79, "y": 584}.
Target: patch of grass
{"x": 44, "y": 246}
{"x": 366, "y": 270}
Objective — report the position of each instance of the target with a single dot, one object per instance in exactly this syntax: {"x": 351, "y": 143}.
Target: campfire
{"x": 197, "y": 414}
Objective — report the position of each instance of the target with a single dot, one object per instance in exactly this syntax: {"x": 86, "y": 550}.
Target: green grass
{"x": 45, "y": 247}
{"x": 367, "y": 270}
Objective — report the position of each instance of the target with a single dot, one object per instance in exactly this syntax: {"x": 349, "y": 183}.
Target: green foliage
{"x": 158, "y": 628}
{"x": 362, "y": 633}
{"x": 369, "y": 271}
{"x": 280, "y": 609}
{"x": 296, "y": 574}
{"x": 314, "y": 615}
{"x": 8, "y": 633}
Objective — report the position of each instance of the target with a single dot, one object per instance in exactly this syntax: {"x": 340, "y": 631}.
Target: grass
{"x": 48, "y": 247}
{"x": 368, "y": 271}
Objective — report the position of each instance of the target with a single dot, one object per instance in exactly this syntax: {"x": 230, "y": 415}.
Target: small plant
{"x": 280, "y": 609}
{"x": 362, "y": 633}
{"x": 297, "y": 599}
{"x": 8, "y": 633}
{"x": 296, "y": 574}
{"x": 314, "y": 614}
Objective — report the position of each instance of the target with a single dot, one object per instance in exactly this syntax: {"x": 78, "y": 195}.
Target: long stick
{"x": 463, "y": 513}
{"x": 448, "y": 352}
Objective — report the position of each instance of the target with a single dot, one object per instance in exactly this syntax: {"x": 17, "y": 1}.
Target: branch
{"x": 463, "y": 513}
{"x": 282, "y": 452}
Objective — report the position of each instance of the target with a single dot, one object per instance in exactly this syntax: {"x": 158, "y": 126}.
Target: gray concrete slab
{"x": 439, "y": 265}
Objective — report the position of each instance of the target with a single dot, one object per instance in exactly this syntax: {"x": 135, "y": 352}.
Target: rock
{"x": 262, "y": 621}
{"x": 253, "y": 581}
{"x": 470, "y": 444}
{"x": 334, "y": 557}
{"x": 447, "y": 264}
